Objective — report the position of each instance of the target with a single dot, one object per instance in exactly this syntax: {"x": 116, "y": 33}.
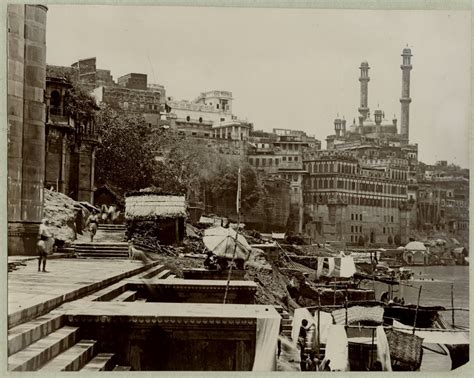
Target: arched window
{"x": 188, "y": 118}
{"x": 55, "y": 103}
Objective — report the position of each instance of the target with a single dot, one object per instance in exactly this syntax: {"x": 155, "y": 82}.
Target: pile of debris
{"x": 59, "y": 209}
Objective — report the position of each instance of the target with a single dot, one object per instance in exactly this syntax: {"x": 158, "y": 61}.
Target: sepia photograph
{"x": 237, "y": 188}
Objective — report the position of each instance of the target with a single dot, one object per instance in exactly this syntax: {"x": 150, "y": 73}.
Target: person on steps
{"x": 45, "y": 244}
{"x": 93, "y": 223}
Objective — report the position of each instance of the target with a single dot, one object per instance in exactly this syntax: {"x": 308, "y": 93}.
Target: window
{"x": 188, "y": 118}
{"x": 284, "y": 158}
{"x": 296, "y": 158}
{"x": 222, "y": 119}
{"x": 217, "y": 106}
{"x": 200, "y": 119}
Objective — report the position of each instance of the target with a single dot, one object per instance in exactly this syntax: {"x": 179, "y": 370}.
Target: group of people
{"x": 309, "y": 361}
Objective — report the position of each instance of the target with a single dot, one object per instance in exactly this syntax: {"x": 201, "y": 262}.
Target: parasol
{"x": 221, "y": 241}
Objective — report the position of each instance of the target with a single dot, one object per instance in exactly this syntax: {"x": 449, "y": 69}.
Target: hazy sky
{"x": 287, "y": 68}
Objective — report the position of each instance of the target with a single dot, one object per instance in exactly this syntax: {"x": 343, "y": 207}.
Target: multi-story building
{"x": 208, "y": 116}
{"x": 131, "y": 93}
{"x": 281, "y": 154}
{"x": 70, "y": 142}
{"x": 351, "y": 199}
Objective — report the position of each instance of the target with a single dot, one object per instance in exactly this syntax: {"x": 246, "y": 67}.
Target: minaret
{"x": 364, "y": 89}
{"x": 405, "y": 99}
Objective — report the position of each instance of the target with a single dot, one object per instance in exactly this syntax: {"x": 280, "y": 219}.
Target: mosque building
{"x": 357, "y": 190}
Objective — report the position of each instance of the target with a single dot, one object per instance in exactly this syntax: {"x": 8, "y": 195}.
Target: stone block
{"x": 16, "y": 48}
{"x": 22, "y": 238}
{"x": 15, "y": 117}
{"x": 35, "y": 54}
{"x": 35, "y": 76}
{"x": 33, "y": 93}
{"x": 15, "y": 89}
{"x": 16, "y": 72}
{"x": 34, "y": 114}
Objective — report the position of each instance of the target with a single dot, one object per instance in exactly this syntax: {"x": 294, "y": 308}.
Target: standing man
{"x": 93, "y": 222}
{"x": 45, "y": 244}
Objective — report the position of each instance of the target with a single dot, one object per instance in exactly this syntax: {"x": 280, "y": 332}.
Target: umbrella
{"x": 415, "y": 246}
{"x": 222, "y": 241}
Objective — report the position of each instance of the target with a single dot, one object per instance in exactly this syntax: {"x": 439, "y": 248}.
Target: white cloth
{"x": 332, "y": 265}
{"x": 319, "y": 269}
{"x": 435, "y": 337}
{"x": 337, "y": 346}
{"x": 298, "y": 316}
{"x": 383, "y": 351}
{"x": 347, "y": 267}
{"x": 325, "y": 321}
{"x": 266, "y": 344}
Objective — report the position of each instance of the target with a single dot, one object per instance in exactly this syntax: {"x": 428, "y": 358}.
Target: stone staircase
{"x": 48, "y": 344}
{"x": 118, "y": 250}
{"x": 286, "y": 321}
{"x": 110, "y": 233}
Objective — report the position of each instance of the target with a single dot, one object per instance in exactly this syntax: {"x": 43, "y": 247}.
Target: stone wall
{"x": 26, "y": 124}
{"x": 349, "y": 222}
{"x": 137, "y": 101}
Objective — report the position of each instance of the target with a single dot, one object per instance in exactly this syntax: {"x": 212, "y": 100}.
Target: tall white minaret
{"x": 364, "y": 89}
{"x": 405, "y": 99}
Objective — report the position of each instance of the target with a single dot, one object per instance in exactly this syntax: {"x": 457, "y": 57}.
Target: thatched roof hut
{"x": 158, "y": 214}
{"x": 150, "y": 206}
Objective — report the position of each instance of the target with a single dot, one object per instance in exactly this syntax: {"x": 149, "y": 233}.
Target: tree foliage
{"x": 125, "y": 158}
{"x": 79, "y": 103}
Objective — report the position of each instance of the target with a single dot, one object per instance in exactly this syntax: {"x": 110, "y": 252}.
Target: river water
{"x": 436, "y": 291}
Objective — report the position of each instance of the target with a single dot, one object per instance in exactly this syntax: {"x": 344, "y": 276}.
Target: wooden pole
{"x": 319, "y": 327}
{"x": 417, "y": 306}
{"x": 452, "y": 302}
{"x": 346, "y": 305}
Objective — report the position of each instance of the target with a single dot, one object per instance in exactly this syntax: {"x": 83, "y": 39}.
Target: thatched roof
{"x": 153, "y": 206}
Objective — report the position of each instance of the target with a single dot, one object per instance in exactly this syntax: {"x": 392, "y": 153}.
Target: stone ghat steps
{"x": 101, "y": 362}
{"x": 111, "y": 227}
{"x": 72, "y": 359}
{"x": 101, "y": 250}
{"x": 116, "y": 292}
{"x": 38, "y": 353}
{"x": 25, "y": 334}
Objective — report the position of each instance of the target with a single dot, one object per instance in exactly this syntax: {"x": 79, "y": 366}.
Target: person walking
{"x": 45, "y": 244}
{"x": 93, "y": 223}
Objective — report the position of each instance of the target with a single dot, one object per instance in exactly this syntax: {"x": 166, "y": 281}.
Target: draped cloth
{"x": 335, "y": 267}
{"x": 325, "y": 321}
{"x": 268, "y": 329}
{"x": 337, "y": 353}
{"x": 298, "y": 316}
{"x": 383, "y": 351}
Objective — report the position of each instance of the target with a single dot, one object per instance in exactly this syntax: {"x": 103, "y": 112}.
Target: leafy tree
{"x": 397, "y": 240}
{"x": 390, "y": 240}
{"x": 125, "y": 158}
{"x": 79, "y": 103}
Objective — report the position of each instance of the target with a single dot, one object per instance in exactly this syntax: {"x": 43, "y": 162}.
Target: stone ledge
{"x": 26, "y": 314}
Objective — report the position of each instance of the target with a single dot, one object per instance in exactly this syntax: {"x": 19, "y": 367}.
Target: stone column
{"x": 26, "y": 120}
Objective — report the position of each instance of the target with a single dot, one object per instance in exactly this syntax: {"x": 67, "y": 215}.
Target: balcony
{"x": 290, "y": 165}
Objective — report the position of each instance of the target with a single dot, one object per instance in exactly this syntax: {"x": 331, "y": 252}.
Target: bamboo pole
{"x": 417, "y": 306}
{"x": 452, "y": 302}
{"x": 319, "y": 327}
